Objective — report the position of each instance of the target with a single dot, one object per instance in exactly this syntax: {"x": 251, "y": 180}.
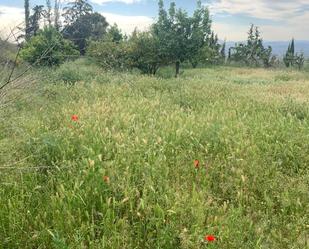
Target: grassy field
{"x": 123, "y": 174}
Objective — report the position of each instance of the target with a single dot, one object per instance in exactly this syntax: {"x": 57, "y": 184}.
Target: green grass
{"x": 247, "y": 127}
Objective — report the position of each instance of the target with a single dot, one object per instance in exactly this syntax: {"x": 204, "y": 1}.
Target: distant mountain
{"x": 280, "y": 47}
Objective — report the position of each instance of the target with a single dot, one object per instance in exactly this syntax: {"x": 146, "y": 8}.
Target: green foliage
{"x": 144, "y": 133}
{"x": 114, "y": 34}
{"x": 38, "y": 13}
{"x": 72, "y": 72}
{"x": 174, "y": 39}
{"x": 172, "y": 31}
{"x": 253, "y": 53}
{"x": 48, "y": 48}
{"x": 290, "y": 54}
{"x": 144, "y": 53}
{"x": 291, "y": 59}
{"x": 82, "y": 24}
{"x": 211, "y": 52}
{"x": 75, "y": 10}
{"x": 299, "y": 60}
{"x": 181, "y": 38}
{"x": 200, "y": 33}
{"x": 90, "y": 26}
{"x": 69, "y": 74}
{"x": 140, "y": 51}
{"x": 110, "y": 55}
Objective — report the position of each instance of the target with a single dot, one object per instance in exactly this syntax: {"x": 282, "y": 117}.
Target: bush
{"x": 109, "y": 54}
{"x": 69, "y": 74}
{"x": 48, "y": 48}
{"x": 144, "y": 53}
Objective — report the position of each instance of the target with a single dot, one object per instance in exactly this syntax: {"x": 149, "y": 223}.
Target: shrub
{"x": 48, "y": 48}
{"x": 144, "y": 53}
{"x": 74, "y": 71}
{"x": 110, "y": 54}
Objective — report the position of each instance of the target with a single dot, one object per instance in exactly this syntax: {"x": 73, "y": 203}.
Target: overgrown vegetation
{"x": 48, "y": 48}
{"x": 90, "y": 158}
{"x": 121, "y": 174}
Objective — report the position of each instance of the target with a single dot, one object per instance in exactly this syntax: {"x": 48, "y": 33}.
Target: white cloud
{"x": 264, "y": 9}
{"x": 291, "y": 15}
{"x": 10, "y": 17}
{"x": 128, "y": 23}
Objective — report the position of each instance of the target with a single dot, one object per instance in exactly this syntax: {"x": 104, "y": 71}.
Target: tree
{"x": 82, "y": 24}
{"x": 27, "y": 19}
{"x": 253, "y": 53}
{"x": 57, "y": 15}
{"x": 182, "y": 37}
{"x": 49, "y": 12}
{"x": 292, "y": 59}
{"x": 114, "y": 34}
{"x": 201, "y": 30}
{"x": 110, "y": 55}
{"x": 173, "y": 30}
{"x": 160, "y": 30}
{"x": 292, "y": 47}
{"x": 47, "y": 48}
{"x": 90, "y": 26}
{"x": 300, "y": 60}
{"x": 289, "y": 57}
{"x": 75, "y": 10}
{"x": 38, "y": 13}
{"x": 144, "y": 52}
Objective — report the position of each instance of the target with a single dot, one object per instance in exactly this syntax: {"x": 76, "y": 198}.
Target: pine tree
{"x": 292, "y": 48}
{"x": 289, "y": 57}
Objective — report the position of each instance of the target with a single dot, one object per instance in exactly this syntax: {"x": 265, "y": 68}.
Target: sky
{"x": 279, "y": 20}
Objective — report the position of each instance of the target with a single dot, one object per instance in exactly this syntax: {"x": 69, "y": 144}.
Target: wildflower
{"x": 106, "y": 179}
{"x": 74, "y": 118}
{"x": 209, "y": 238}
{"x": 196, "y": 164}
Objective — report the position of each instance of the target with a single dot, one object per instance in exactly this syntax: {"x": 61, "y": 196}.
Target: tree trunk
{"x": 177, "y": 68}
{"x": 27, "y": 20}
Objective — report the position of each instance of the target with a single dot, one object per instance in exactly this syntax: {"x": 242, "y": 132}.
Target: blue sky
{"x": 277, "y": 19}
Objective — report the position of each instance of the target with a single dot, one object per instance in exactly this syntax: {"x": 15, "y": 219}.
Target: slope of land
{"x": 121, "y": 174}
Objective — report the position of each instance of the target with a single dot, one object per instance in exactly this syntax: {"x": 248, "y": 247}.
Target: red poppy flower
{"x": 209, "y": 238}
{"x": 74, "y": 118}
{"x": 196, "y": 164}
{"x": 106, "y": 179}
